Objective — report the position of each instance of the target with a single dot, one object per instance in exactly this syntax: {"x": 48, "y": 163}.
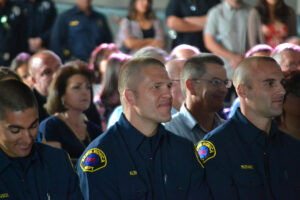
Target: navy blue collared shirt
{"x": 76, "y": 35}
{"x": 46, "y": 173}
{"x": 243, "y": 162}
{"x": 124, "y": 164}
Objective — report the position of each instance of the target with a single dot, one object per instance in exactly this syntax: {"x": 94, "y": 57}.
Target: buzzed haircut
{"x": 130, "y": 75}
{"x": 15, "y": 96}
{"x": 195, "y": 67}
{"x": 242, "y": 74}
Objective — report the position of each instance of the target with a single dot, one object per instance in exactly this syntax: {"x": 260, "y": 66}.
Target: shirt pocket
{"x": 248, "y": 184}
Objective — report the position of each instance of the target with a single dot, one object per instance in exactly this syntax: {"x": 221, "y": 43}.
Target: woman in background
{"x": 109, "y": 98}
{"x": 271, "y": 22}
{"x": 20, "y": 65}
{"x": 69, "y": 96}
{"x": 140, "y": 28}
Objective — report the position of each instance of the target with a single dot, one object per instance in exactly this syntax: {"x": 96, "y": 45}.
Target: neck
{"x": 204, "y": 117}
{"x": 73, "y": 116}
{"x": 261, "y": 123}
{"x": 140, "y": 17}
{"x": 271, "y": 12}
{"x": 86, "y": 10}
{"x": 290, "y": 124}
{"x": 146, "y": 127}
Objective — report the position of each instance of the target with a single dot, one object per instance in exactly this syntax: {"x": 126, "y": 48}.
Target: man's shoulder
{"x": 222, "y": 132}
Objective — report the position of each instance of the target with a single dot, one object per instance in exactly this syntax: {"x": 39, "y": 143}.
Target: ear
{"x": 129, "y": 97}
{"x": 189, "y": 86}
{"x": 242, "y": 90}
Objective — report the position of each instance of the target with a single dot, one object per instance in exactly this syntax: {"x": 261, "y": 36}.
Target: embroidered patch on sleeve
{"x": 93, "y": 160}
{"x": 206, "y": 150}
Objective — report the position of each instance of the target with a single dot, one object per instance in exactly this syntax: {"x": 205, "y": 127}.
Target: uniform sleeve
{"x": 198, "y": 186}
{"x": 59, "y": 36}
{"x": 159, "y": 31}
{"x": 100, "y": 182}
{"x": 217, "y": 170}
{"x": 173, "y": 8}
{"x": 254, "y": 28}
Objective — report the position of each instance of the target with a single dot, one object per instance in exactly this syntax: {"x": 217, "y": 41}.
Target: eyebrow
{"x": 20, "y": 127}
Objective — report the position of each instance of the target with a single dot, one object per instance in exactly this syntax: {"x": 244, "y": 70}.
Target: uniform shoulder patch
{"x": 206, "y": 150}
{"x": 93, "y": 160}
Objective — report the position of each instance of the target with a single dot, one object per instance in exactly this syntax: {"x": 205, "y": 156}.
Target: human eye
{"x": 88, "y": 87}
{"x": 155, "y": 86}
{"x": 269, "y": 83}
{"x": 76, "y": 87}
{"x": 34, "y": 125}
{"x": 216, "y": 82}
{"x": 169, "y": 85}
{"x": 14, "y": 129}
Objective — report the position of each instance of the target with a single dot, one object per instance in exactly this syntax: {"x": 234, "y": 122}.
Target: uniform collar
{"x": 6, "y": 161}
{"x": 250, "y": 133}
{"x": 135, "y": 138}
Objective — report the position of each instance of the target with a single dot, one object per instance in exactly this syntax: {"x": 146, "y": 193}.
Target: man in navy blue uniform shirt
{"x": 78, "y": 31}
{"x": 137, "y": 158}
{"x": 248, "y": 157}
{"x": 187, "y": 19}
{"x": 30, "y": 170}
{"x": 41, "y": 15}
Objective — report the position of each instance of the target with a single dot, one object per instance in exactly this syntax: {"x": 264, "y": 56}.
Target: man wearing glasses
{"x": 204, "y": 84}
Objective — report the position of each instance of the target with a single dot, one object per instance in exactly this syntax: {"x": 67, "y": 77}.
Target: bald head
{"x": 42, "y": 67}
{"x": 244, "y": 71}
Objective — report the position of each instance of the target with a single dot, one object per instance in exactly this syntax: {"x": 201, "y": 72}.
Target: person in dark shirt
{"x": 137, "y": 158}
{"x": 30, "y": 170}
{"x": 78, "y": 31}
{"x": 13, "y": 31}
{"x": 40, "y": 15}
{"x": 186, "y": 19}
{"x": 248, "y": 157}
{"x": 42, "y": 67}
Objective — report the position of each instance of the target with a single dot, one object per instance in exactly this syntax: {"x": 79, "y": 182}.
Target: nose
{"x": 281, "y": 90}
{"x": 28, "y": 136}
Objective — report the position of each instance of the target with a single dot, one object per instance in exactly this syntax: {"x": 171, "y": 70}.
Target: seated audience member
{"x": 42, "y": 67}
{"x": 271, "y": 22}
{"x": 259, "y": 50}
{"x": 98, "y": 61}
{"x": 183, "y": 51}
{"x": 7, "y": 74}
{"x": 30, "y": 170}
{"x": 288, "y": 57}
{"x": 140, "y": 28}
{"x": 204, "y": 84}
{"x": 248, "y": 157}
{"x": 69, "y": 96}
{"x": 152, "y": 52}
{"x": 289, "y": 121}
{"x": 20, "y": 65}
{"x": 137, "y": 158}
{"x": 174, "y": 68}
{"x": 109, "y": 98}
